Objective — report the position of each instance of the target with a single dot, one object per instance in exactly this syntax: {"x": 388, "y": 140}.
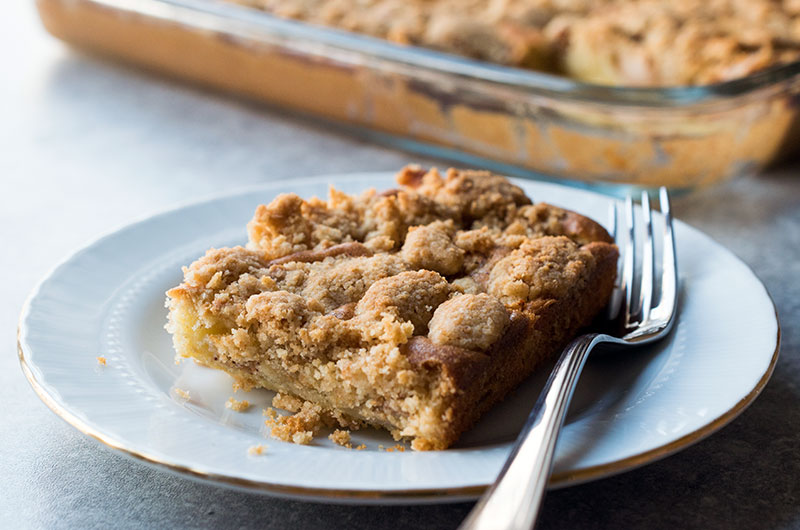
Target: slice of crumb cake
{"x": 414, "y": 309}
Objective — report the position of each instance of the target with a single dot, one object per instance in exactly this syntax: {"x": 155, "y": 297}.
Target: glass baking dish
{"x": 515, "y": 121}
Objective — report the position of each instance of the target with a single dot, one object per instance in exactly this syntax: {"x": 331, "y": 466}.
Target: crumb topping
{"x": 618, "y": 42}
{"x": 540, "y": 268}
{"x": 469, "y": 321}
{"x": 431, "y": 247}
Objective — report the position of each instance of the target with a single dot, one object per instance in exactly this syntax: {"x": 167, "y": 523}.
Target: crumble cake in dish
{"x": 413, "y": 309}
{"x": 461, "y": 109}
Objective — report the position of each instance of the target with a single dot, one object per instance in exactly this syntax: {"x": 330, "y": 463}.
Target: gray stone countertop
{"x": 88, "y": 146}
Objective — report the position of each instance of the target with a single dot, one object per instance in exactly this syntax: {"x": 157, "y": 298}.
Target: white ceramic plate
{"x": 108, "y": 300}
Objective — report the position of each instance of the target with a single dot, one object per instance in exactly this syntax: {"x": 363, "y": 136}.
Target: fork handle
{"x": 514, "y": 499}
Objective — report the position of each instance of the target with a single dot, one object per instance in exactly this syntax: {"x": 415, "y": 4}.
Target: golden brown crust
{"x": 460, "y": 366}
{"x": 341, "y": 304}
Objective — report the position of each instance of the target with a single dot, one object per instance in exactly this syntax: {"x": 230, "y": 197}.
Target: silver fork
{"x": 514, "y": 499}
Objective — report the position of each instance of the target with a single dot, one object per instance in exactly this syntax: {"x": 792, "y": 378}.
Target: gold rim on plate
{"x": 437, "y": 494}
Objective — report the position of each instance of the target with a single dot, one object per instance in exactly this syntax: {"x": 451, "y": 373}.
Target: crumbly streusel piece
{"x": 431, "y": 247}
{"x": 413, "y": 309}
{"x": 472, "y": 322}
{"x": 546, "y": 268}
{"x": 410, "y": 296}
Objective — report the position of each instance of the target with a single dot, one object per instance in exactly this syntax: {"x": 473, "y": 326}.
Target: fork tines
{"x": 642, "y": 296}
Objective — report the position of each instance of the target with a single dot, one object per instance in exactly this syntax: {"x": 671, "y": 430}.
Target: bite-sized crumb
{"x": 269, "y": 412}
{"x": 101, "y": 361}
{"x": 361, "y": 447}
{"x": 301, "y": 427}
{"x": 236, "y": 386}
{"x": 181, "y": 393}
{"x": 341, "y": 437}
{"x": 256, "y": 450}
{"x": 380, "y": 447}
{"x": 238, "y": 406}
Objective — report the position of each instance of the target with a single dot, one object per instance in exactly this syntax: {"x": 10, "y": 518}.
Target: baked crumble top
{"x": 618, "y": 42}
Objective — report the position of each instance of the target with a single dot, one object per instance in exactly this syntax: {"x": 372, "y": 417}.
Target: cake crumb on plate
{"x": 301, "y": 427}
{"x": 181, "y": 393}
{"x": 341, "y": 437}
{"x": 238, "y": 406}
{"x": 256, "y": 450}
